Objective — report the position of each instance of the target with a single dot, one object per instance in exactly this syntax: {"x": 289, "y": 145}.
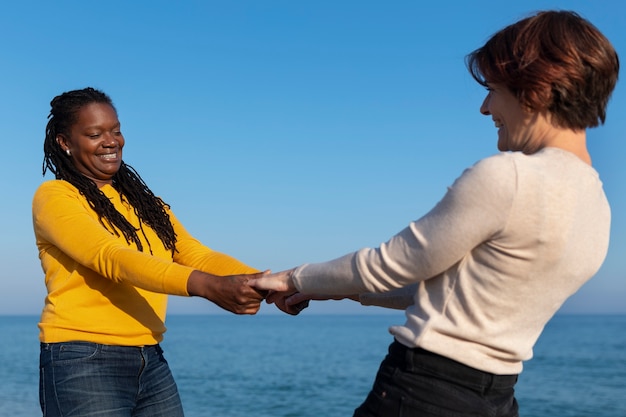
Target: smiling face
{"x": 518, "y": 129}
{"x": 95, "y": 142}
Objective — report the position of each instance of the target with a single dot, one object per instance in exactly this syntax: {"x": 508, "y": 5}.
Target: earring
{"x": 67, "y": 151}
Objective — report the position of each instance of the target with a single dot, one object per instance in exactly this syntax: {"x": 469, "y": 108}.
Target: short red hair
{"x": 554, "y": 61}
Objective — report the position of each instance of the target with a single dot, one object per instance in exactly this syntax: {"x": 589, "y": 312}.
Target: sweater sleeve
{"x": 398, "y": 299}
{"x": 62, "y": 220}
{"x": 474, "y": 208}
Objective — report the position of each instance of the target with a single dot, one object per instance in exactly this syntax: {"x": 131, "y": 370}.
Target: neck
{"x": 545, "y": 134}
{"x": 573, "y": 141}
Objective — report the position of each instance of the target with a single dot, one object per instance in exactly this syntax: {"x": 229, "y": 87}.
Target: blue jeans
{"x": 88, "y": 379}
{"x": 418, "y": 383}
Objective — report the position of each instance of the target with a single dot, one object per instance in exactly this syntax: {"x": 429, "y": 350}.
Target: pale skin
{"x": 283, "y": 292}
{"x": 518, "y": 130}
{"x": 94, "y": 145}
{"x": 529, "y": 132}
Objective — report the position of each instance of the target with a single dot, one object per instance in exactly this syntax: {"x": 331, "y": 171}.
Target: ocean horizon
{"x": 272, "y": 365}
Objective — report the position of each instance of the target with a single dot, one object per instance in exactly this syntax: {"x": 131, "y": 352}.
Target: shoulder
{"x": 490, "y": 182}
{"x": 52, "y": 186}
{"x": 53, "y": 189}
{"x": 499, "y": 169}
{"x": 500, "y": 162}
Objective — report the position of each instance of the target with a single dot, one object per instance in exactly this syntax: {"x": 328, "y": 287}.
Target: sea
{"x": 323, "y": 365}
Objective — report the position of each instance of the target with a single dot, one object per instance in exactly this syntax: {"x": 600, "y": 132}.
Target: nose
{"x": 110, "y": 140}
{"x": 484, "y": 108}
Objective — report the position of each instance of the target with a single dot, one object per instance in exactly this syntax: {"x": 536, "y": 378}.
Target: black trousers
{"x": 415, "y": 382}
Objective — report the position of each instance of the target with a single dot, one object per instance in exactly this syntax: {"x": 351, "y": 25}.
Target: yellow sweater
{"x": 102, "y": 289}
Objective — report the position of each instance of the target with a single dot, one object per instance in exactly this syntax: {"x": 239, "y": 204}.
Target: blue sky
{"x": 280, "y": 132}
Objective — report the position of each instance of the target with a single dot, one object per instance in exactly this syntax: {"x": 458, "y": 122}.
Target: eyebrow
{"x": 99, "y": 126}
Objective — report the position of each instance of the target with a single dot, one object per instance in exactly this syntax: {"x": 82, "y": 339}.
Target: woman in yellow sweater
{"x": 111, "y": 252}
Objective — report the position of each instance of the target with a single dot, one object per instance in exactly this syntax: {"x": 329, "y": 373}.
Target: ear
{"x": 63, "y": 143}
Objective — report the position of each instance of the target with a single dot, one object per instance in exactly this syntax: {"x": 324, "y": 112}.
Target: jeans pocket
{"x": 67, "y": 353}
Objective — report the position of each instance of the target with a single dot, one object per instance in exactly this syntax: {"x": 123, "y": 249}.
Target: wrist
{"x": 199, "y": 284}
{"x": 291, "y": 282}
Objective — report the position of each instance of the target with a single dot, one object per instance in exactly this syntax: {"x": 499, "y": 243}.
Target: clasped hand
{"x": 232, "y": 293}
{"x": 282, "y": 291}
{"x": 243, "y": 294}
{"x": 284, "y": 294}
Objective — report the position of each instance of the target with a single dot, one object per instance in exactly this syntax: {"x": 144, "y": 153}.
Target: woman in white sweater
{"x": 515, "y": 235}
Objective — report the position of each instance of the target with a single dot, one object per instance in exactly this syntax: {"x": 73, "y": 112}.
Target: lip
{"x": 113, "y": 156}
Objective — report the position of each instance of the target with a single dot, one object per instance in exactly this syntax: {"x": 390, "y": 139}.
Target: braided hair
{"x": 150, "y": 209}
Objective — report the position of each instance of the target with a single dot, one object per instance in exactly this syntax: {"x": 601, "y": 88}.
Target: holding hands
{"x": 232, "y": 293}
{"x": 283, "y": 292}
{"x": 279, "y": 283}
{"x": 243, "y": 294}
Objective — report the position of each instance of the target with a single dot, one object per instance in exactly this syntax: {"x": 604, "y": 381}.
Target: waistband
{"x": 110, "y": 348}
{"x": 412, "y": 359}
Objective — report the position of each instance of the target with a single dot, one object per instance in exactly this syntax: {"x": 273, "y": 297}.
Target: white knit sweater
{"x": 491, "y": 263}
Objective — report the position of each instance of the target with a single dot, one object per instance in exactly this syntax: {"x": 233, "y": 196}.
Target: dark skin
{"x": 232, "y": 293}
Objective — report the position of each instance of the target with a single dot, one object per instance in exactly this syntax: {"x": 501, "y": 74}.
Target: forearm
{"x": 142, "y": 270}
{"x": 336, "y": 277}
{"x": 398, "y": 299}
